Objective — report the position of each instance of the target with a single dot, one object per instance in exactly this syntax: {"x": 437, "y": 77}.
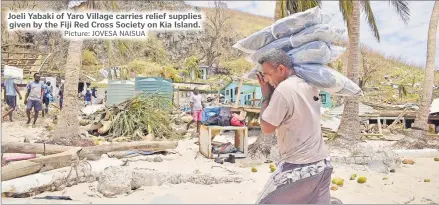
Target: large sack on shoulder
{"x": 313, "y": 52}
{"x": 296, "y": 22}
{"x": 255, "y": 41}
{"x": 327, "y": 79}
{"x": 283, "y": 43}
{"x": 319, "y": 32}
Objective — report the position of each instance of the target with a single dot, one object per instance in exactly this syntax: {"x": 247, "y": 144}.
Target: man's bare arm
{"x": 266, "y": 127}
{"x": 17, "y": 90}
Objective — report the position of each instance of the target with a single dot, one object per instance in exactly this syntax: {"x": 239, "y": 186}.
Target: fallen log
{"x": 95, "y": 152}
{"x": 33, "y": 148}
{"x": 18, "y": 169}
{"x": 41, "y": 164}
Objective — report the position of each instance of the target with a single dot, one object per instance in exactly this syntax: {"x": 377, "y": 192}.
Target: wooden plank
{"x": 95, "y": 152}
{"x": 19, "y": 169}
{"x": 33, "y": 148}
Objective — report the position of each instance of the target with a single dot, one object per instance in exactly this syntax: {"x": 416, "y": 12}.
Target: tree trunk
{"x": 278, "y": 10}
{"x": 66, "y": 132}
{"x": 350, "y": 122}
{"x": 420, "y": 126}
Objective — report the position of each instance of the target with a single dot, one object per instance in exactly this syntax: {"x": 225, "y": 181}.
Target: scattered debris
{"x": 55, "y": 197}
{"x": 338, "y": 181}
{"x": 353, "y": 177}
{"x": 385, "y": 178}
{"x": 254, "y": 169}
{"x": 334, "y": 187}
{"x": 408, "y": 161}
{"x": 114, "y": 181}
{"x": 426, "y": 180}
{"x": 436, "y": 159}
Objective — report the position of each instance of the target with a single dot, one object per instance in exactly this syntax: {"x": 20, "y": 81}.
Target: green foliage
{"x": 89, "y": 58}
{"x": 238, "y": 66}
{"x": 146, "y": 68}
{"x": 154, "y": 50}
{"x": 169, "y": 72}
{"x": 191, "y": 64}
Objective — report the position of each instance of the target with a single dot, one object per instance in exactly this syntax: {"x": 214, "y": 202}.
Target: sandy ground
{"x": 406, "y": 185}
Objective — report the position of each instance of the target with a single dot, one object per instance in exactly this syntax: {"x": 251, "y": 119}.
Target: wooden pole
{"x": 238, "y": 96}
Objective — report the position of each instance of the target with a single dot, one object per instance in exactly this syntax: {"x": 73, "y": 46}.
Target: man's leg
{"x": 29, "y": 106}
{"x": 189, "y": 124}
{"x": 37, "y": 108}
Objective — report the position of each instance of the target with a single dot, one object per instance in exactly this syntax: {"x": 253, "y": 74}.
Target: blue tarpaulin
{"x": 209, "y": 112}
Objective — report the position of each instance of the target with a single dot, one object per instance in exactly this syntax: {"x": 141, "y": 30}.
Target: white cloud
{"x": 397, "y": 39}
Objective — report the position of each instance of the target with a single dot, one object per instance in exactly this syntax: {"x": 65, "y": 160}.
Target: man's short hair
{"x": 276, "y": 57}
{"x": 35, "y": 74}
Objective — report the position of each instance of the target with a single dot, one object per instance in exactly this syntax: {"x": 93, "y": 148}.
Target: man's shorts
{"x": 11, "y": 101}
{"x": 36, "y": 104}
{"x": 197, "y": 115}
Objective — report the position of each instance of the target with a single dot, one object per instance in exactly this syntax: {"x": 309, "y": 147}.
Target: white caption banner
{"x": 104, "y": 25}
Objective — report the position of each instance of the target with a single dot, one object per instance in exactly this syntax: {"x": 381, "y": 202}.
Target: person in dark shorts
{"x": 47, "y": 97}
{"x": 10, "y": 96}
{"x": 289, "y": 110}
{"x": 34, "y": 98}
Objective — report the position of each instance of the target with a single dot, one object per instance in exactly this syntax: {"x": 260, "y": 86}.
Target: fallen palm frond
{"x": 143, "y": 115}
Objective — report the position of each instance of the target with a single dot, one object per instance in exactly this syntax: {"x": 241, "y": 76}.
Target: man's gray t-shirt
{"x": 35, "y": 90}
{"x": 196, "y": 99}
{"x": 10, "y": 87}
{"x": 296, "y": 114}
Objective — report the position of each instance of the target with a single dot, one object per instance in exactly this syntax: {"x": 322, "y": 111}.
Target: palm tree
{"x": 66, "y": 132}
{"x": 420, "y": 126}
{"x": 350, "y": 122}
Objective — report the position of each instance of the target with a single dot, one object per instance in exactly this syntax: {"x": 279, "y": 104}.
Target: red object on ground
{"x": 236, "y": 122}
{"x": 19, "y": 157}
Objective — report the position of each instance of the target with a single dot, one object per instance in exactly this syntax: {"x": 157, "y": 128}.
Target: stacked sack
{"x": 307, "y": 38}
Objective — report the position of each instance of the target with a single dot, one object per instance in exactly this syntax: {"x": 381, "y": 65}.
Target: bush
{"x": 89, "y": 58}
{"x": 146, "y": 68}
{"x": 239, "y": 65}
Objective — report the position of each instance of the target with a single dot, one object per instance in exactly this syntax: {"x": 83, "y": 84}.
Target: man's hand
{"x": 19, "y": 97}
{"x": 25, "y": 102}
{"x": 266, "y": 88}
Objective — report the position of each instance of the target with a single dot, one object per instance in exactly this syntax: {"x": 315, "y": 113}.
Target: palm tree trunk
{"x": 278, "y": 12}
{"x": 420, "y": 126}
{"x": 350, "y": 122}
{"x": 66, "y": 132}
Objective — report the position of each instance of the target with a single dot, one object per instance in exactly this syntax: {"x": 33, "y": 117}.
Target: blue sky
{"x": 408, "y": 42}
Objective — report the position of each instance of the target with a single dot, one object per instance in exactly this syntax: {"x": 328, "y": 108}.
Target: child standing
{"x": 87, "y": 97}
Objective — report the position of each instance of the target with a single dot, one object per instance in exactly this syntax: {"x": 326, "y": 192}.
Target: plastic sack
{"x": 207, "y": 113}
{"x": 313, "y": 52}
{"x": 327, "y": 79}
{"x": 296, "y": 22}
{"x": 327, "y": 16}
{"x": 255, "y": 41}
{"x": 320, "y": 32}
{"x": 336, "y": 52}
{"x": 283, "y": 43}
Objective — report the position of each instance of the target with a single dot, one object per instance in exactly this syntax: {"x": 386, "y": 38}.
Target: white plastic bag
{"x": 283, "y": 43}
{"x": 313, "y": 52}
{"x": 327, "y": 79}
{"x": 327, "y": 16}
{"x": 296, "y": 22}
{"x": 319, "y": 32}
{"x": 255, "y": 41}
{"x": 336, "y": 52}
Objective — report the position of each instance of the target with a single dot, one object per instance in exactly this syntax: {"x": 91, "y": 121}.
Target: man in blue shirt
{"x": 47, "y": 98}
{"x": 34, "y": 97}
{"x": 10, "y": 96}
{"x": 87, "y": 97}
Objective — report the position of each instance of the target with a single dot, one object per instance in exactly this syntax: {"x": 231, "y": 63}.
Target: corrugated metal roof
{"x": 119, "y": 91}
{"x": 363, "y": 109}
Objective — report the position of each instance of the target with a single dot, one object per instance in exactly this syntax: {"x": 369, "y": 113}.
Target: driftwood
{"x": 96, "y": 151}
{"x": 18, "y": 169}
{"x": 66, "y": 158}
{"x": 33, "y": 148}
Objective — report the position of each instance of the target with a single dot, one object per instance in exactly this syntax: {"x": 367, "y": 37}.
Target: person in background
{"x": 289, "y": 108}
{"x": 197, "y": 106}
{"x": 34, "y": 98}
{"x": 93, "y": 93}
{"x": 87, "y": 97}
{"x": 47, "y": 98}
{"x": 61, "y": 95}
{"x": 10, "y": 96}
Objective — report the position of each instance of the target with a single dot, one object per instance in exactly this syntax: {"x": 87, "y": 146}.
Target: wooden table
{"x": 207, "y": 133}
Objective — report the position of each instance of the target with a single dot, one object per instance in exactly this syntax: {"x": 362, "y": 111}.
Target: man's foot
{"x": 28, "y": 122}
